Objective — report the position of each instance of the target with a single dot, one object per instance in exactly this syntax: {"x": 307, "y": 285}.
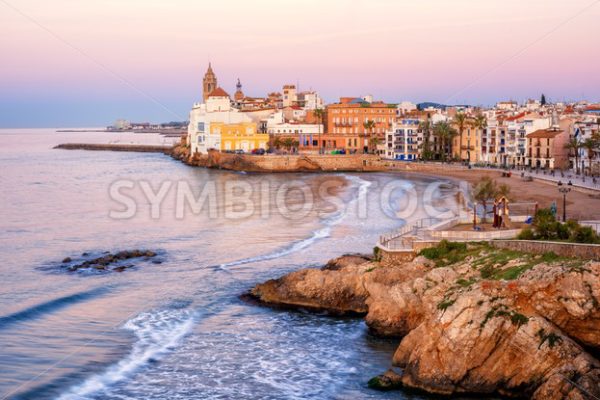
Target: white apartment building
{"x": 406, "y": 106}
{"x": 216, "y": 109}
{"x": 516, "y": 130}
{"x": 404, "y": 140}
{"x": 306, "y": 133}
{"x": 310, "y": 100}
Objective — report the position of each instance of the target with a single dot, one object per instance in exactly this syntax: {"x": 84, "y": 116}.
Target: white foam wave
{"x": 363, "y": 186}
{"x": 156, "y": 332}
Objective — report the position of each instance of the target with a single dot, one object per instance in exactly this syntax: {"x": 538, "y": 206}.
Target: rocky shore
{"x": 471, "y": 318}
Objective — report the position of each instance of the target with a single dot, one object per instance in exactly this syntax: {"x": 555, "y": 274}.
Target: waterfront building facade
{"x": 352, "y": 116}
{"x": 404, "y": 140}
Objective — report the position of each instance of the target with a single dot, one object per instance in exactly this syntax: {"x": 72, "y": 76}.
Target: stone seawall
{"x": 577, "y": 250}
{"x": 140, "y": 148}
{"x": 285, "y": 163}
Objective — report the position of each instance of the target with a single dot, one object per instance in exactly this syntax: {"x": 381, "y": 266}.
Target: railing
{"x": 395, "y": 240}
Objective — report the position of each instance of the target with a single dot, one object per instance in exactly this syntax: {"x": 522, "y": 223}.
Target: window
{"x": 200, "y": 126}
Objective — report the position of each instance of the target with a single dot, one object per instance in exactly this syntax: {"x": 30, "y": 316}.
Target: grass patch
{"x": 502, "y": 310}
{"x": 448, "y": 253}
{"x": 465, "y": 283}
{"x": 492, "y": 262}
{"x": 444, "y": 304}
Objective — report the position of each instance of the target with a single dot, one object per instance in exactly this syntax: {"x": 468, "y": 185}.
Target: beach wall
{"x": 578, "y": 250}
{"x": 286, "y": 163}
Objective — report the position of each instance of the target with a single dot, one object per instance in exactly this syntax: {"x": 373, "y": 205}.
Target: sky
{"x": 73, "y": 63}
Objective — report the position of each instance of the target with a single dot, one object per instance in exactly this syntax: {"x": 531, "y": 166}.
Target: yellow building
{"x": 239, "y": 136}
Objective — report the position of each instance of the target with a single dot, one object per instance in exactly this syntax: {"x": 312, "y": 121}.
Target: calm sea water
{"x": 176, "y": 329}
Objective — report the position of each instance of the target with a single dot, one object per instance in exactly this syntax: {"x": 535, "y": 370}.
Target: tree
{"x": 277, "y": 143}
{"x": 482, "y": 193}
{"x": 480, "y": 123}
{"x": 425, "y": 127}
{"x": 460, "y": 120}
{"x": 444, "y": 132}
{"x": 288, "y": 143}
{"x": 319, "y": 116}
{"x": 543, "y": 100}
{"x": 369, "y": 125}
{"x": 487, "y": 189}
{"x": 373, "y": 142}
{"x": 590, "y": 145}
{"x": 574, "y": 145}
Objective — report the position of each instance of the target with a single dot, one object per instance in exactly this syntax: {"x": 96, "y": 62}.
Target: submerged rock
{"x": 389, "y": 380}
{"x": 108, "y": 259}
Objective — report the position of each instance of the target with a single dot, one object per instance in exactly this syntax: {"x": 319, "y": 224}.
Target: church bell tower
{"x": 209, "y": 83}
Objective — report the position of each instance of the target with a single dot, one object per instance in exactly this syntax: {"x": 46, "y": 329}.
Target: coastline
{"x": 582, "y": 203}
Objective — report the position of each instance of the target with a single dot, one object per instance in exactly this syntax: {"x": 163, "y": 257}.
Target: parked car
{"x": 259, "y": 152}
{"x": 239, "y": 151}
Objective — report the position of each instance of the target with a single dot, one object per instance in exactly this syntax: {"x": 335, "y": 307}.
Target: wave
{"x": 157, "y": 333}
{"x": 50, "y": 306}
{"x": 363, "y": 186}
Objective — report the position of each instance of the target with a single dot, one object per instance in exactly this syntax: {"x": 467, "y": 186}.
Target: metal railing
{"x": 397, "y": 240}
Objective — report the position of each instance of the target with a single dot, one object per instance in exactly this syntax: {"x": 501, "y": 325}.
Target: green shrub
{"x": 518, "y": 319}
{"x": 552, "y": 338}
{"x": 546, "y": 227}
{"x": 376, "y": 254}
{"x": 526, "y": 234}
{"x": 584, "y": 234}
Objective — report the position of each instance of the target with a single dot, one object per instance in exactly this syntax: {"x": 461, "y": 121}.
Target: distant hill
{"x": 428, "y": 104}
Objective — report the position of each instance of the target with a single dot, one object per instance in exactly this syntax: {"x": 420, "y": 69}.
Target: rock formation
{"x": 476, "y": 320}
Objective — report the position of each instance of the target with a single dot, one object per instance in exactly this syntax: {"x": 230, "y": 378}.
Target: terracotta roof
{"x": 218, "y": 92}
{"x": 544, "y": 134}
{"x": 515, "y": 117}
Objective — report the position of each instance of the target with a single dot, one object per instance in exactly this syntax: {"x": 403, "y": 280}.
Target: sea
{"x": 175, "y": 326}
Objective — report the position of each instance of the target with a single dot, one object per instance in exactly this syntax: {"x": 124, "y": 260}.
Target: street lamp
{"x": 564, "y": 191}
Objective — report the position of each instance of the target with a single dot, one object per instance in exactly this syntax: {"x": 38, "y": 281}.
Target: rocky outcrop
{"x": 345, "y": 294}
{"x": 108, "y": 261}
{"x": 487, "y": 322}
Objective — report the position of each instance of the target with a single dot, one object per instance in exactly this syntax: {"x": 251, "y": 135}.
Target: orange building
{"x": 349, "y": 116}
{"x": 330, "y": 142}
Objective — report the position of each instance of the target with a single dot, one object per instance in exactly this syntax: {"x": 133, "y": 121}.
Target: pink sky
{"x": 460, "y": 51}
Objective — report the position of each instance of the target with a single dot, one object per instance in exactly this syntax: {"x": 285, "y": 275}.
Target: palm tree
{"x": 425, "y": 127}
{"x": 590, "y": 145}
{"x": 445, "y": 133}
{"x": 373, "y": 142}
{"x": 368, "y": 125}
{"x": 319, "y": 116}
{"x": 574, "y": 145}
{"x": 288, "y": 143}
{"x": 482, "y": 193}
{"x": 460, "y": 120}
{"x": 277, "y": 143}
{"x": 487, "y": 189}
{"x": 480, "y": 123}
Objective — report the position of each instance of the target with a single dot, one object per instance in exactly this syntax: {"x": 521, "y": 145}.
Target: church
{"x": 216, "y": 124}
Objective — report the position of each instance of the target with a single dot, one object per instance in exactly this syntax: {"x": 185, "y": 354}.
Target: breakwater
{"x": 141, "y": 148}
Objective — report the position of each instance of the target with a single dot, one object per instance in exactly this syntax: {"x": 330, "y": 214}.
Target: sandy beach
{"x": 581, "y": 204}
